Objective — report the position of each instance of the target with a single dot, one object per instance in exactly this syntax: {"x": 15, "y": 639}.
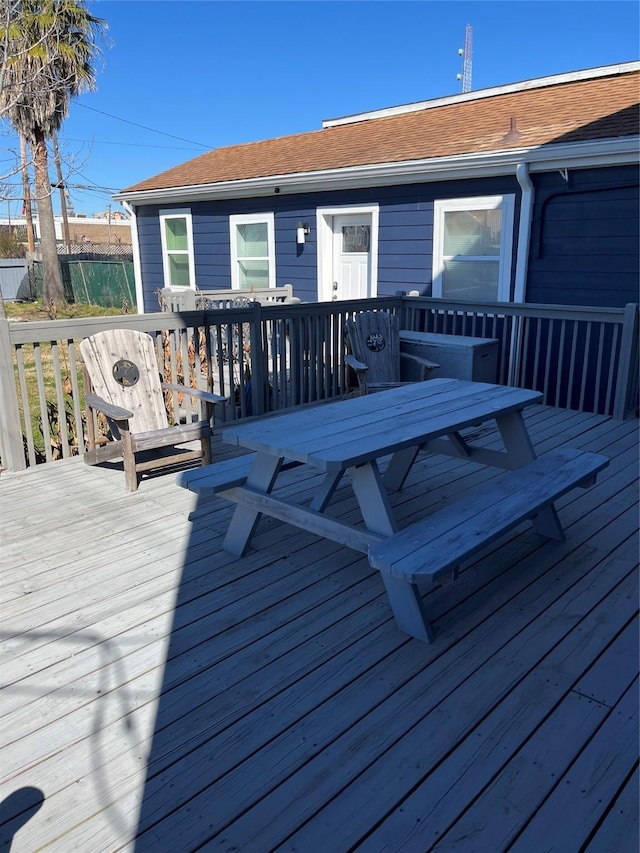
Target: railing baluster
{"x": 615, "y": 343}
{"x": 572, "y": 363}
{"x": 536, "y": 357}
{"x": 547, "y": 365}
{"x": 560, "y": 361}
{"x": 63, "y": 436}
{"x": 42, "y": 401}
{"x": 583, "y": 384}
{"x": 26, "y": 408}
{"x": 599, "y": 365}
{"x": 74, "y": 368}
{"x": 525, "y": 356}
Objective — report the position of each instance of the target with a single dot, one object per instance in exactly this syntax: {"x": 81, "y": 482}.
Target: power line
{"x": 128, "y": 144}
{"x": 93, "y": 187}
{"x": 143, "y": 127}
{"x": 93, "y": 184}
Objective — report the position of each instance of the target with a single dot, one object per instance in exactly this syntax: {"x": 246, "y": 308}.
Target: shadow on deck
{"x": 165, "y": 695}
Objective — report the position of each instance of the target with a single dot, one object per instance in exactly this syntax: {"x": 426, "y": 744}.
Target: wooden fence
{"x": 272, "y": 357}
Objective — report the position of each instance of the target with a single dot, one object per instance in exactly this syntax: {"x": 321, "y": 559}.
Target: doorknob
{"x": 335, "y": 285}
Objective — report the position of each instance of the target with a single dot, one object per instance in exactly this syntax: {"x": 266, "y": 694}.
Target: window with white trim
{"x": 472, "y": 246}
{"x": 177, "y": 248}
{"x": 253, "y": 256}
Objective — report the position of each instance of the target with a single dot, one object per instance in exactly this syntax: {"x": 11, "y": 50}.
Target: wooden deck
{"x": 162, "y": 695}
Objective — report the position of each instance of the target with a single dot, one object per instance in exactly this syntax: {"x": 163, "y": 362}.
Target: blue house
{"x": 526, "y": 192}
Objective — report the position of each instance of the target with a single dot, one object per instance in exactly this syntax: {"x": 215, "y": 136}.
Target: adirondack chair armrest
{"x": 116, "y": 413}
{"x": 354, "y": 364}
{"x": 417, "y": 359}
{"x": 206, "y": 396}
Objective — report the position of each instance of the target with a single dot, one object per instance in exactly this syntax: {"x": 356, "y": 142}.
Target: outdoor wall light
{"x": 301, "y": 232}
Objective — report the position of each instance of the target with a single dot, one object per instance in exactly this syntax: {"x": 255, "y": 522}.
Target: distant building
{"x": 101, "y": 229}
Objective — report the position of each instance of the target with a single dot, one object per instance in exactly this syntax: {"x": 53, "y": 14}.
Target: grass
{"x": 32, "y": 312}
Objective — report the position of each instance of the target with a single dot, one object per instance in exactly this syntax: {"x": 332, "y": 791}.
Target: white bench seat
{"x": 431, "y": 550}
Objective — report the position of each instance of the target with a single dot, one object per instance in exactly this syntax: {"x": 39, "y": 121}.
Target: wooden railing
{"x": 581, "y": 358}
{"x": 272, "y": 357}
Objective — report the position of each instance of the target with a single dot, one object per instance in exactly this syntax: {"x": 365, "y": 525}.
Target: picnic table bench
{"x": 433, "y": 549}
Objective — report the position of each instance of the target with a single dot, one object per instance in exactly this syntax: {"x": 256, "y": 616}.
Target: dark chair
{"x": 374, "y": 341}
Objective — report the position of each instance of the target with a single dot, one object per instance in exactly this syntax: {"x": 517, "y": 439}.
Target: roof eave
{"x": 577, "y": 155}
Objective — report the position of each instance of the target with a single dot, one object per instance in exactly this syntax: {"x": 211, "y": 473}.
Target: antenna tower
{"x": 467, "y": 56}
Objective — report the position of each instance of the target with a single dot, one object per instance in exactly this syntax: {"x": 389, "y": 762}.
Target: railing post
{"x": 627, "y": 378}
{"x": 259, "y": 377}
{"x": 11, "y": 446}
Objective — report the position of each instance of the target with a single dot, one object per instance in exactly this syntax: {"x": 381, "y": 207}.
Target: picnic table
{"x": 350, "y": 437}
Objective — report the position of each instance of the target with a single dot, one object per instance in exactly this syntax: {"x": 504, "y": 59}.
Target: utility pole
{"x": 467, "y": 57}
{"x": 26, "y": 193}
{"x": 70, "y": 208}
{"x": 61, "y": 187}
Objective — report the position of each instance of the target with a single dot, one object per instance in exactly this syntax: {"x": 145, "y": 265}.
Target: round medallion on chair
{"x": 375, "y": 342}
{"x": 125, "y": 373}
{"x": 242, "y": 302}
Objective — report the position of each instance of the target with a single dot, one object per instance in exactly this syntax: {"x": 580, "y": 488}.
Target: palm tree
{"x": 50, "y": 46}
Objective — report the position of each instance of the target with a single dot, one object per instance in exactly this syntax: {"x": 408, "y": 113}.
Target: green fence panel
{"x": 105, "y": 283}
{"x": 108, "y": 283}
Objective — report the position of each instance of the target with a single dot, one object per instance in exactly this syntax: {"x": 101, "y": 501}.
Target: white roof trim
{"x": 539, "y": 83}
{"x": 576, "y": 155}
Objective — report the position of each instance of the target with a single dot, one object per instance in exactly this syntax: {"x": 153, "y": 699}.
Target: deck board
{"x": 443, "y": 796}
{"x": 163, "y": 694}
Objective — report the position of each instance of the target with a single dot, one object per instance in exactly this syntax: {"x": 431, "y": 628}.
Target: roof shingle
{"x": 573, "y": 111}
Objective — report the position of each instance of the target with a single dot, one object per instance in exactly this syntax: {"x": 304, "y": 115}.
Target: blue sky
{"x": 223, "y": 72}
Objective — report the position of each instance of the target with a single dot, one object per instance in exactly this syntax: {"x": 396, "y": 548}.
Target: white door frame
{"x": 324, "y": 230}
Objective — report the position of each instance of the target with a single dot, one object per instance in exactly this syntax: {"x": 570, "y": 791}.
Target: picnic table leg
{"x": 325, "y": 492}
{"x": 399, "y": 467}
{"x": 520, "y": 450}
{"x": 372, "y": 498}
{"x": 404, "y": 598}
{"x": 516, "y": 439}
{"x": 261, "y": 477}
{"x": 407, "y": 607}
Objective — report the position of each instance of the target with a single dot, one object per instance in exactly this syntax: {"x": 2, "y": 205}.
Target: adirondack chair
{"x": 123, "y": 382}
{"x": 374, "y": 340}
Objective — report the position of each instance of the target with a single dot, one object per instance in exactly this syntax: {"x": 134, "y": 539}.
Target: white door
{"x": 351, "y": 256}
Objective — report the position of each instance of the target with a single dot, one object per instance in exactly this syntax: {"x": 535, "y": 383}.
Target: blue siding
{"x": 296, "y": 265}
{"x": 211, "y": 248}
{"x": 584, "y": 247}
{"x": 405, "y": 236}
{"x": 405, "y": 247}
{"x": 148, "y": 225}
